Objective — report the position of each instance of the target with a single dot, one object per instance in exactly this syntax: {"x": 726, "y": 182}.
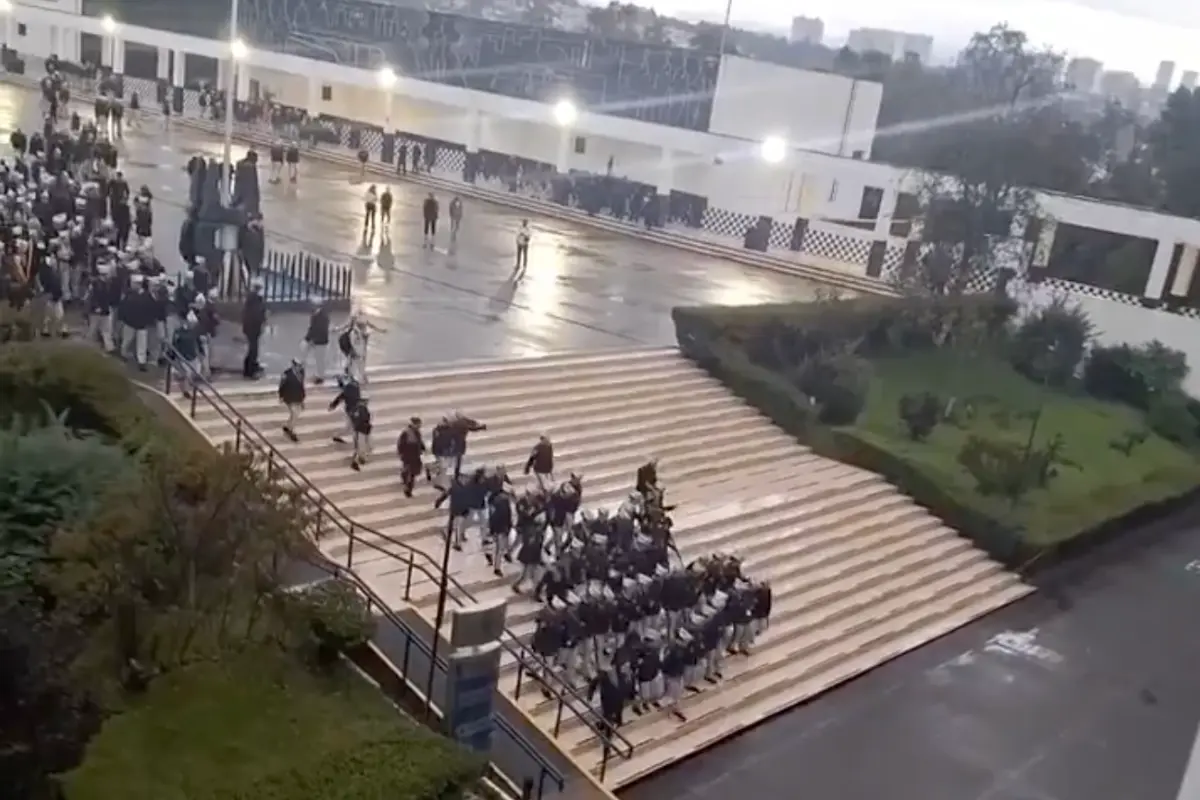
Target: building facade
{"x": 808, "y": 30}
{"x": 896, "y": 45}
{"x": 1084, "y": 74}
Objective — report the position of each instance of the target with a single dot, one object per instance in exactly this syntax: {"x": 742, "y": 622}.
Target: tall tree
{"x": 1174, "y": 150}
{"x": 1002, "y": 132}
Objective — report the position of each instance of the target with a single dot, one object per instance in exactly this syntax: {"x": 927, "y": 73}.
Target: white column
{"x": 472, "y": 131}
{"x": 1189, "y": 789}
{"x": 1045, "y": 244}
{"x": 164, "y": 63}
{"x": 242, "y": 83}
{"x": 56, "y": 47}
{"x": 1159, "y": 269}
{"x": 118, "y": 56}
{"x": 10, "y": 30}
{"x": 887, "y": 210}
{"x": 108, "y": 46}
{"x": 222, "y": 73}
{"x": 179, "y": 68}
{"x": 666, "y": 172}
{"x": 562, "y": 163}
{"x": 1184, "y": 272}
{"x": 314, "y": 96}
{"x": 389, "y": 102}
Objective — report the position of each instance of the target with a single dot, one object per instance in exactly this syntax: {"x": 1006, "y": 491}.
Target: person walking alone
{"x": 522, "y": 250}
{"x": 370, "y": 203}
{"x": 429, "y": 210}
{"x": 385, "y": 208}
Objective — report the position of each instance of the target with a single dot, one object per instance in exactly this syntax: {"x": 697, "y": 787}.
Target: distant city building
{"x": 897, "y": 45}
{"x": 1084, "y": 73}
{"x": 1162, "y": 78}
{"x": 808, "y": 30}
{"x": 1188, "y": 81}
{"x": 1122, "y": 87}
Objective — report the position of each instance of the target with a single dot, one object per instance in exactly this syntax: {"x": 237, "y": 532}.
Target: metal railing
{"x": 296, "y": 278}
{"x": 566, "y": 697}
{"x": 413, "y": 640}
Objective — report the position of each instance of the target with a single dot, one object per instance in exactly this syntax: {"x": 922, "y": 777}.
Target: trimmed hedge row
{"x": 783, "y": 404}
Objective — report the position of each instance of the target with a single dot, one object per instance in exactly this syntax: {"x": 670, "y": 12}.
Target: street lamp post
{"x": 110, "y": 40}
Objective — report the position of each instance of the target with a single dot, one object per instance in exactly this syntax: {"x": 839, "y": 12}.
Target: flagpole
{"x": 725, "y": 27}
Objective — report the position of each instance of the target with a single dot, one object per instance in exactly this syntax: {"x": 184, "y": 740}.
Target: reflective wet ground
{"x": 584, "y": 289}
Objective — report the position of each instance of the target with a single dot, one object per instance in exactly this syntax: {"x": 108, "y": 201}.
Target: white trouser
{"x": 293, "y": 411}
{"x": 362, "y": 446}
{"x": 319, "y": 354}
{"x": 100, "y": 327}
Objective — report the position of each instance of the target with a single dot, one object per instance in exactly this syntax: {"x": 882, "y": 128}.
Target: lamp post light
{"x": 566, "y": 113}
{"x": 773, "y": 149}
{"x": 110, "y": 26}
{"x": 387, "y": 81}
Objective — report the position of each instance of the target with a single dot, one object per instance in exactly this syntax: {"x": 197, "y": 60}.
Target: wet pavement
{"x": 584, "y": 289}
{"x": 1088, "y": 693}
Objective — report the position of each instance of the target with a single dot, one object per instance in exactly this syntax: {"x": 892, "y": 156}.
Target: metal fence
{"x": 289, "y": 277}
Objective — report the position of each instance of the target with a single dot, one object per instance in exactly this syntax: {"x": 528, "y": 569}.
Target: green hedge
{"x": 92, "y": 389}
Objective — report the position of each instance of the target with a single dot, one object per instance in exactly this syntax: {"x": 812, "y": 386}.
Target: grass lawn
{"x": 262, "y": 726}
{"x": 1106, "y": 485}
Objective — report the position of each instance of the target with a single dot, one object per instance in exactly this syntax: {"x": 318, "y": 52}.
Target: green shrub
{"x": 1127, "y": 442}
{"x": 1134, "y": 375}
{"x": 335, "y": 616}
{"x": 90, "y": 389}
{"x": 838, "y": 387}
{"x": 1171, "y": 417}
{"x": 921, "y": 413}
{"x": 1050, "y": 343}
{"x": 998, "y": 467}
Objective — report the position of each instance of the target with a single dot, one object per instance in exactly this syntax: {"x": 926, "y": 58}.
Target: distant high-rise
{"x": 896, "y": 45}
{"x": 1084, "y": 73}
{"x": 1162, "y": 78}
{"x": 1188, "y": 81}
{"x": 1123, "y": 88}
{"x": 808, "y": 30}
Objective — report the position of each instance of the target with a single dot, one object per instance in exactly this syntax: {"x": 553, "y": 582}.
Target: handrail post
{"x": 558, "y": 716}
{"x": 270, "y": 465}
{"x": 605, "y": 755}
{"x": 408, "y": 578}
{"x": 195, "y": 394}
{"x": 237, "y": 436}
{"x": 167, "y": 375}
{"x": 520, "y": 677}
{"x": 350, "y": 549}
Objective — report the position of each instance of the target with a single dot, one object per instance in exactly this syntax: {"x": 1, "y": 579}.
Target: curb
{"x": 857, "y": 283}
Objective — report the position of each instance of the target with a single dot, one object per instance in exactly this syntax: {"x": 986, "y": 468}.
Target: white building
{"x": 1162, "y": 78}
{"x": 1188, "y": 80}
{"x": 809, "y": 30}
{"x": 896, "y": 45}
{"x": 1084, "y": 73}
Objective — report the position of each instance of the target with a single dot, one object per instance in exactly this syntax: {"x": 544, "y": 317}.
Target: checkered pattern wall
{"x": 780, "y": 237}
{"x": 450, "y": 160}
{"x": 835, "y": 247}
{"x": 723, "y": 222}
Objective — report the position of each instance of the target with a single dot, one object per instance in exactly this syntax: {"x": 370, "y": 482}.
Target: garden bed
{"x": 264, "y": 727}
{"x": 1108, "y": 460}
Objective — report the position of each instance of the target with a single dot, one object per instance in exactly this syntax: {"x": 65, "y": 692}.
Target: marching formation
{"x": 619, "y": 616}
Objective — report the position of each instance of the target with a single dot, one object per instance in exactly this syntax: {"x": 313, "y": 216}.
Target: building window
{"x": 21, "y": 30}
{"x": 858, "y": 155}
{"x": 326, "y": 92}
{"x": 580, "y": 145}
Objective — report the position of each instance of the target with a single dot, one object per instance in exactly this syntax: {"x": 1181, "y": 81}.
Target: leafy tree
{"x": 50, "y": 478}
{"x": 1001, "y": 133}
{"x": 1050, "y": 344}
{"x": 45, "y": 723}
{"x": 920, "y": 413}
{"x": 181, "y": 565}
{"x": 1174, "y": 143}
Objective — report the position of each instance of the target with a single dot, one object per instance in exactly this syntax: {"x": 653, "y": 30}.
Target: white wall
{"x": 39, "y": 35}
{"x": 812, "y": 110}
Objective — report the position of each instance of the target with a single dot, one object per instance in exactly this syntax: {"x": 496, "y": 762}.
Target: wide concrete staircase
{"x": 860, "y": 572}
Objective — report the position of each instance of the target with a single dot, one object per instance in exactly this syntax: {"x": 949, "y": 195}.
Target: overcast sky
{"x": 1125, "y": 34}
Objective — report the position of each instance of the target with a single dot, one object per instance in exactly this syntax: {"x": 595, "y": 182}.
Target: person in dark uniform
{"x": 429, "y": 211}
{"x": 292, "y": 394}
{"x": 614, "y": 694}
{"x": 293, "y": 161}
{"x": 254, "y": 323}
{"x": 277, "y": 150}
{"x": 402, "y": 159}
{"x": 410, "y": 447}
{"x": 385, "y": 208}
{"x": 541, "y": 463}
{"x": 500, "y": 525}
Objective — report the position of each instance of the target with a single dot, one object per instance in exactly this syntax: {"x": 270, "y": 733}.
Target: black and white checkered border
{"x": 835, "y": 247}
{"x": 780, "y": 237}
{"x": 1087, "y": 290}
{"x": 723, "y": 222}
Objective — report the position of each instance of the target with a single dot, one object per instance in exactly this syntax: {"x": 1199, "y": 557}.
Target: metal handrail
{"x": 375, "y": 601}
{"x": 566, "y": 694}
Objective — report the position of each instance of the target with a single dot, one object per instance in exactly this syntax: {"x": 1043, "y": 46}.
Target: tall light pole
{"x": 725, "y": 28}
{"x": 110, "y": 40}
{"x": 237, "y": 53}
